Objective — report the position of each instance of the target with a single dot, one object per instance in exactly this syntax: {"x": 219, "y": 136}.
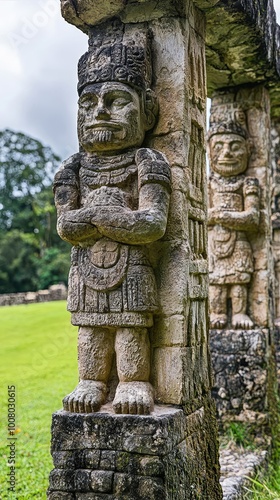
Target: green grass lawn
{"x": 38, "y": 356}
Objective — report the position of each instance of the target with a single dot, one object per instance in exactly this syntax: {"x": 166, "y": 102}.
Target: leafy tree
{"x": 28, "y": 237}
{"x": 18, "y": 265}
{"x": 26, "y": 168}
{"x": 53, "y": 267}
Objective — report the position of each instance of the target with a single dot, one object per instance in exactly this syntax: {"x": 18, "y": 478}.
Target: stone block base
{"x": 243, "y": 366}
{"x": 163, "y": 456}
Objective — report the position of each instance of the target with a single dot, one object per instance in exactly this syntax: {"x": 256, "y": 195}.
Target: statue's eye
{"x": 235, "y": 146}
{"x": 121, "y": 102}
{"x": 88, "y": 102}
{"x": 218, "y": 146}
{"x": 117, "y": 100}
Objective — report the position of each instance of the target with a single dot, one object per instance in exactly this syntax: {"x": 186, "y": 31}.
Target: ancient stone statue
{"x": 112, "y": 200}
{"x": 233, "y": 213}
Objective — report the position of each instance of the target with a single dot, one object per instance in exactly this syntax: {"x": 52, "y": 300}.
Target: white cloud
{"x": 39, "y": 52}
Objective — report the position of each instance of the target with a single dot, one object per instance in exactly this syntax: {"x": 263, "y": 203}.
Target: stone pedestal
{"x": 241, "y": 366}
{"x": 165, "y": 456}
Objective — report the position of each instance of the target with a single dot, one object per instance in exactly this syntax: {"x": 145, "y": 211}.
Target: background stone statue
{"x": 112, "y": 200}
{"x": 233, "y": 213}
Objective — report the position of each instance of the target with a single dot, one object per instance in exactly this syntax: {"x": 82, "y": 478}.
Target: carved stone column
{"x": 241, "y": 262}
{"x": 141, "y": 421}
{"x": 275, "y": 161}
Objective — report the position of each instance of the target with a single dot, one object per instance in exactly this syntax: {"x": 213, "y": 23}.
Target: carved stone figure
{"x": 233, "y": 213}
{"x": 112, "y": 200}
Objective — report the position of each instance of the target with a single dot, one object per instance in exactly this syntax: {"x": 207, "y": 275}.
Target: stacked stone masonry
{"x": 127, "y": 457}
{"x": 54, "y": 292}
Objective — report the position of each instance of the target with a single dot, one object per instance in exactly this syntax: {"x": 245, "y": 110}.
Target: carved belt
{"x": 104, "y": 265}
{"x": 223, "y": 241}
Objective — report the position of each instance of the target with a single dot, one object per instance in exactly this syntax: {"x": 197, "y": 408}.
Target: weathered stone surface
{"x": 241, "y": 275}
{"x": 54, "y": 292}
{"x": 138, "y": 434}
{"x": 237, "y": 468}
{"x": 251, "y": 58}
{"x": 112, "y": 199}
{"x": 61, "y": 495}
{"x": 240, "y": 367}
{"x": 142, "y": 457}
{"x": 137, "y": 223}
{"x": 248, "y": 110}
{"x": 234, "y": 213}
{"x": 275, "y": 218}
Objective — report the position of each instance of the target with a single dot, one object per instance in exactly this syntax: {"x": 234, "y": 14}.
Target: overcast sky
{"x": 39, "y": 52}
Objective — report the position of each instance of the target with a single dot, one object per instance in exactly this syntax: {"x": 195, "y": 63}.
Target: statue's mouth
{"x": 227, "y": 162}
{"x": 103, "y": 126}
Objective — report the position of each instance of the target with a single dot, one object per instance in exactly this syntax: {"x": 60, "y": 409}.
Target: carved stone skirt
{"x": 234, "y": 269}
{"x": 111, "y": 284}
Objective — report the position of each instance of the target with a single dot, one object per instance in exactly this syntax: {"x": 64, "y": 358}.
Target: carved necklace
{"x": 231, "y": 185}
{"x": 107, "y": 170}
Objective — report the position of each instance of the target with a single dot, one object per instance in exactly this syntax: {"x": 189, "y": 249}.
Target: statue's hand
{"x": 82, "y": 216}
{"x": 214, "y": 216}
{"x": 110, "y": 215}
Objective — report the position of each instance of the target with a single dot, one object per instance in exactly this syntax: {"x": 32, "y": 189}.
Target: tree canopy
{"x": 32, "y": 256}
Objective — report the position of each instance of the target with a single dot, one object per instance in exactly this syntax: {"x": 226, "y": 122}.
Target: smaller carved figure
{"x": 233, "y": 213}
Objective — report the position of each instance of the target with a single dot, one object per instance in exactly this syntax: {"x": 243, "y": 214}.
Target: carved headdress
{"x": 230, "y": 127}
{"x": 116, "y": 53}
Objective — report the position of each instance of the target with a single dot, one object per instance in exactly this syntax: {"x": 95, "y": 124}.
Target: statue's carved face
{"x": 228, "y": 154}
{"x": 110, "y": 118}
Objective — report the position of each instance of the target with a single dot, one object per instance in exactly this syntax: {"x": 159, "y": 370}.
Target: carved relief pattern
{"x": 112, "y": 200}
{"x": 234, "y": 213}
{"x": 198, "y": 279}
{"x": 275, "y": 158}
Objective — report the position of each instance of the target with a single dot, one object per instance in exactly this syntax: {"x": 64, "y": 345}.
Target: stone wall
{"x": 54, "y": 292}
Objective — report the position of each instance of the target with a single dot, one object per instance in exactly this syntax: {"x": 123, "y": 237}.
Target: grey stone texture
{"x": 164, "y": 456}
{"x": 275, "y": 217}
{"x": 240, "y": 367}
{"x": 237, "y": 468}
{"x": 242, "y": 45}
{"x": 54, "y": 292}
{"x": 138, "y": 281}
{"x": 176, "y": 265}
{"x": 244, "y": 361}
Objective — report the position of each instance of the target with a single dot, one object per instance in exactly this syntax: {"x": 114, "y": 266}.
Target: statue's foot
{"x": 242, "y": 321}
{"x": 88, "y": 396}
{"x": 134, "y": 398}
{"x": 218, "y": 321}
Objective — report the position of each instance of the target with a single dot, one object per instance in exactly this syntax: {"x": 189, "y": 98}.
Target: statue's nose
{"x": 102, "y": 112}
{"x": 226, "y": 150}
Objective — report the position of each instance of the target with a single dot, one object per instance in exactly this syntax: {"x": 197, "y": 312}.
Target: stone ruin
{"x": 133, "y": 204}
{"x": 54, "y": 292}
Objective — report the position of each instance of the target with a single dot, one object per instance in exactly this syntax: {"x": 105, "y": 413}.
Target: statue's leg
{"x": 239, "y": 306}
{"x": 95, "y": 354}
{"x": 218, "y": 306}
{"x": 134, "y": 393}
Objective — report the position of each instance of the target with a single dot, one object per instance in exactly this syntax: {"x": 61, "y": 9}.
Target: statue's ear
{"x": 250, "y": 145}
{"x": 151, "y": 109}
